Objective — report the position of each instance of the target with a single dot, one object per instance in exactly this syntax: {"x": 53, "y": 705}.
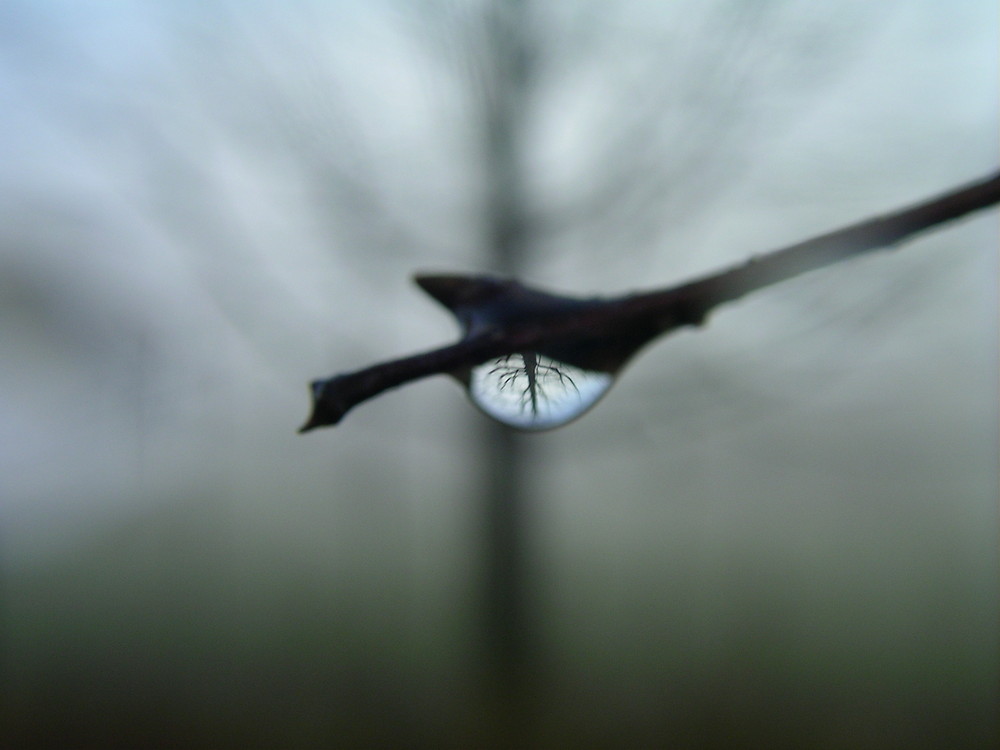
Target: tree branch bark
{"x": 502, "y": 316}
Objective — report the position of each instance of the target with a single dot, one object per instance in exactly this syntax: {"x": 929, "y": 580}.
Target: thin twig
{"x": 502, "y": 316}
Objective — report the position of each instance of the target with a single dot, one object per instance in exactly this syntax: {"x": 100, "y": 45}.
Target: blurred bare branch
{"x": 530, "y": 320}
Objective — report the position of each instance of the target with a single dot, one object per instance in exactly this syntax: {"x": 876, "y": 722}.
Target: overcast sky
{"x": 172, "y": 277}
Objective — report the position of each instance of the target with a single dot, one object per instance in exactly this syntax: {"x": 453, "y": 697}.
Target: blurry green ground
{"x": 166, "y": 633}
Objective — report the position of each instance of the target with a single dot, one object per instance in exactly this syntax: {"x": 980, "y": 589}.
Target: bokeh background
{"x": 780, "y": 530}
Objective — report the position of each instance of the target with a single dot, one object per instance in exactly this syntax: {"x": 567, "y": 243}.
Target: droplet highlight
{"x": 533, "y": 392}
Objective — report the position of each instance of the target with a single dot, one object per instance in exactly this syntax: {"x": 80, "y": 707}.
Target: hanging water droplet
{"x": 533, "y": 392}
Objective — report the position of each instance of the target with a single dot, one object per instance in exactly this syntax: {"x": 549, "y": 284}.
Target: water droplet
{"x": 533, "y": 392}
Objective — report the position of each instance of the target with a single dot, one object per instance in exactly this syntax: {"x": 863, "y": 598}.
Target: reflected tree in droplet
{"x": 533, "y": 392}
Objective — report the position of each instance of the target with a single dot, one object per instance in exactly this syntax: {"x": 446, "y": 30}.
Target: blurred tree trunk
{"x": 506, "y": 601}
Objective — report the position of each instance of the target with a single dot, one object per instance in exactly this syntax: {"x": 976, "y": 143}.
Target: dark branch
{"x": 502, "y": 316}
